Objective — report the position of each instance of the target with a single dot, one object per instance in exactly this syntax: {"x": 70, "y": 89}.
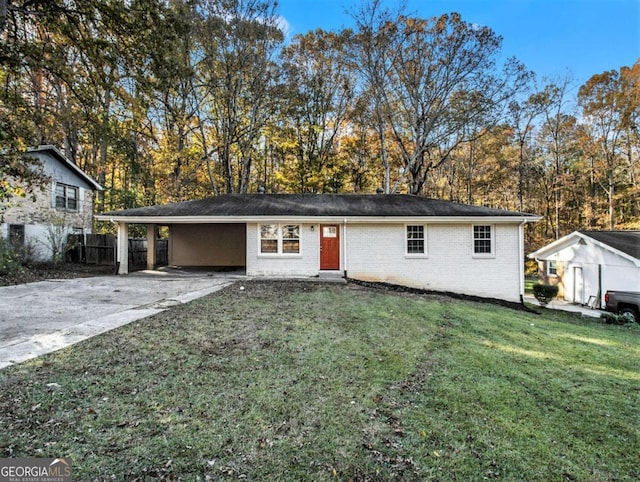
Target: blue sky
{"x": 551, "y": 37}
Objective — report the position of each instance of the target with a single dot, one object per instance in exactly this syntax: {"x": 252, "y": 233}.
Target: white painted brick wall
{"x": 377, "y": 253}
{"x": 306, "y": 263}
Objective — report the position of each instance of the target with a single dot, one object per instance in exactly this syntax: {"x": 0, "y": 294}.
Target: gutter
{"x": 521, "y": 257}
{"x": 164, "y": 220}
{"x": 344, "y": 242}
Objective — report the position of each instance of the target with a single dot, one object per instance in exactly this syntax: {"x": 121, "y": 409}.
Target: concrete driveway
{"x": 42, "y": 317}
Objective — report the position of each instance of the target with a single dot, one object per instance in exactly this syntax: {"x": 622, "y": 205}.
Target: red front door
{"x": 329, "y": 246}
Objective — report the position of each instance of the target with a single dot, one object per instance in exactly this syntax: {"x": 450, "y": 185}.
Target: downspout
{"x": 344, "y": 243}
{"x": 599, "y": 304}
{"x": 522, "y": 258}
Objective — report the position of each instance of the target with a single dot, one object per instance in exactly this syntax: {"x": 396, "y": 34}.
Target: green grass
{"x": 302, "y": 381}
{"x": 529, "y": 281}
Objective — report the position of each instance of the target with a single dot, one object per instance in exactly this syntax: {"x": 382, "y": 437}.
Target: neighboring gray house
{"x": 585, "y": 264}
{"x": 66, "y": 200}
{"x": 399, "y": 239}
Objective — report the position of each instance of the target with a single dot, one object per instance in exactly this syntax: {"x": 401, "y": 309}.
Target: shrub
{"x": 615, "y": 318}
{"x": 544, "y": 293}
{"x": 10, "y": 258}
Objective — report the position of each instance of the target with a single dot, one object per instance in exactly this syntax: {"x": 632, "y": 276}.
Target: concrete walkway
{"x": 42, "y": 317}
{"x": 566, "y": 306}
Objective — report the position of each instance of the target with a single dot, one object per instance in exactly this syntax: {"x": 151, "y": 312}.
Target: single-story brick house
{"x": 399, "y": 239}
{"x": 585, "y": 264}
{"x": 65, "y": 200}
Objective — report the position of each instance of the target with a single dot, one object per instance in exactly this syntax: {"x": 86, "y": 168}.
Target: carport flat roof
{"x": 246, "y": 206}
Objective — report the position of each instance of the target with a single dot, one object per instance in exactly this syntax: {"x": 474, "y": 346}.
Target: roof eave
{"x": 67, "y": 162}
{"x": 315, "y": 219}
{"x": 573, "y": 238}
{"x": 557, "y": 245}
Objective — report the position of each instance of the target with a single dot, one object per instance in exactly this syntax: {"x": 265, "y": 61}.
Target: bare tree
{"x": 238, "y": 42}
{"x": 603, "y": 106}
{"x": 556, "y": 131}
{"x": 435, "y": 78}
{"x": 373, "y": 59}
{"x": 318, "y": 91}
{"x": 522, "y": 116}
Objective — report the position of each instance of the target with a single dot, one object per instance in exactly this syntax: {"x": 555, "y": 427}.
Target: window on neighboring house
{"x": 16, "y": 234}
{"x": 552, "y": 268}
{"x": 280, "y": 239}
{"x": 416, "y": 241}
{"x": 66, "y": 197}
{"x": 482, "y": 240}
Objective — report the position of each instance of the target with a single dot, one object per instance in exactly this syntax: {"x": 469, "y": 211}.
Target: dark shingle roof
{"x": 626, "y": 241}
{"x": 315, "y": 205}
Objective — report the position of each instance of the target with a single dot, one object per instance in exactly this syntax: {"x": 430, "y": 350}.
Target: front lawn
{"x": 305, "y": 381}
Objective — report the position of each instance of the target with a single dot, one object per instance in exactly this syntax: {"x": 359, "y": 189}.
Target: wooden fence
{"x": 100, "y": 249}
{"x": 138, "y": 252}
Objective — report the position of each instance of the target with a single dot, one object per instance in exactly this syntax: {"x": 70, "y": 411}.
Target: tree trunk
{"x": 592, "y": 195}
{"x": 4, "y": 10}
{"x": 611, "y": 204}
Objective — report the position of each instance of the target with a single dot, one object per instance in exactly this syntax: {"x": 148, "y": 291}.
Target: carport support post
{"x": 123, "y": 248}
{"x": 152, "y": 235}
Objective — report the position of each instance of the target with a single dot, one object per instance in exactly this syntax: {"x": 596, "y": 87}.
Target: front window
{"x": 280, "y": 239}
{"x": 291, "y": 238}
{"x": 552, "y": 268}
{"x": 269, "y": 238}
{"x": 482, "y": 240}
{"x": 66, "y": 197}
{"x": 415, "y": 240}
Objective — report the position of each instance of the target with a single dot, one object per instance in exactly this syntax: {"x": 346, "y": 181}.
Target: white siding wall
{"x": 618, "y": 273}
{"x": 306, "y": 263}
{"x": 377, "y": 253}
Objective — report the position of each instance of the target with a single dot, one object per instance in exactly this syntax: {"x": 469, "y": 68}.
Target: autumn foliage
{"x": 168, "y": 101}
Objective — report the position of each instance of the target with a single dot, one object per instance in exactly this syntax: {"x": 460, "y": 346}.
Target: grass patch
{"x": 302, "y": 381}
{"x": 529, "y": 281}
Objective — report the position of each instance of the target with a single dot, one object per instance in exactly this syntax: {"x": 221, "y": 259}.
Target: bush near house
{"x": 615, "y": 318}
{"x": 544, "y": 293}
{"x": 10, "y": 259}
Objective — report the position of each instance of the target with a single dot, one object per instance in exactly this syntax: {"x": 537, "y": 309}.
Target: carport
{"x": 204, "y": 244}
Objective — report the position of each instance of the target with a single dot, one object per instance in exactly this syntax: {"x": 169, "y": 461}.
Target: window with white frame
{"x": 416, "y": 240}
{"x": 66, "y": 197}
{"x": 279, "y": 238}
{"x": 482, "y": 240}
{"x": 552, "y": 268}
